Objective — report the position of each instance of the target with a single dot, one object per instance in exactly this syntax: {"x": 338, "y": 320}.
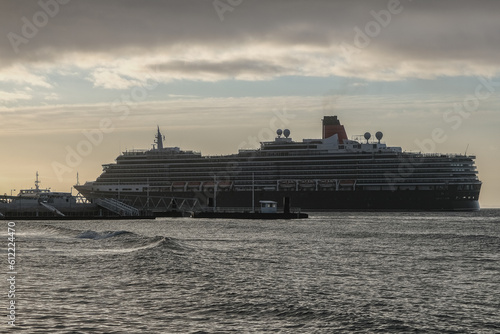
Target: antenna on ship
{"x": 37, "y": 182}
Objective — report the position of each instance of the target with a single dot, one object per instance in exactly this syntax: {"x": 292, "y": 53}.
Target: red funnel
{"x": 332, "y": 126}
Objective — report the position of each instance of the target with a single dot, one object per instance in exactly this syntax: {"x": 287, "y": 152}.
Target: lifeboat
{"x": 224, "y": 184}
{"x": 287, "y": 184}
{"x": 327, "y": 183}
{"x": 178, "y": 185}
{"x": 347, "y": 184}
{"x": 194, "y": 184}
{"x": 208, "y": 184}
{"x": 307, "y": 184}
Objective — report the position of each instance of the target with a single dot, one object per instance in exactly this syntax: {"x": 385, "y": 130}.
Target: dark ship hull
{"x": 418, "y": 200}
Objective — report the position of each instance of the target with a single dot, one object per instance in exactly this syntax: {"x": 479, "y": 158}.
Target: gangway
{"x": 52, "y": 209}
{"x": 117, "y": 207}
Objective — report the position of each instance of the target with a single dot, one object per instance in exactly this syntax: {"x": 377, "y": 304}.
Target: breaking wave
{"x": 101, "y": 235}
{"x": 99, "y": 242}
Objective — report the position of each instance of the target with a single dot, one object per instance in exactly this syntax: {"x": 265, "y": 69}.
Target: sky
{"x": 82, "y": 81}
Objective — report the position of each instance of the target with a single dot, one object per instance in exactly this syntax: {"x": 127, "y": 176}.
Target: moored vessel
{"x": 43, "y": 204}
{"x": 330, "y": 173}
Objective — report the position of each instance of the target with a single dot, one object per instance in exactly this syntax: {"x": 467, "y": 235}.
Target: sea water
{"x": 332, "y": 273}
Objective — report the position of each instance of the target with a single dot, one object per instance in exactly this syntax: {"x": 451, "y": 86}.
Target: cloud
{"x": 209, "y": 113}
{"x": 52, "y": 97}
{"x": 245, "y": 69}
{"x": 14, "y": 96}
{"x": 24, "y": 75}
{"x": 110, "y": 79}
{"x": 256, "y": 40}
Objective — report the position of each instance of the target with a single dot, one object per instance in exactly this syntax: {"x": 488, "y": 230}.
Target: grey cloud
{"x": 226, "y": 68}
{"x": 425, "y": 30}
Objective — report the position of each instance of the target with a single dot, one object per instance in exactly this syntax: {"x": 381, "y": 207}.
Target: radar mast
{"x": 159, "y": 139}
{"x": 37, "y": 187}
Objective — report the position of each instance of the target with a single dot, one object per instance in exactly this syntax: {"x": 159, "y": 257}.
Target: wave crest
{"x": 89, "y": 234}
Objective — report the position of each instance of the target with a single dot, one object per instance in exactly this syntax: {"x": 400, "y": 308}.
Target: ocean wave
{"x": 49, "y": 231}
{"x": 150, "y": 243}
{"x": 126, "y": 242}
{"x": 89, "y": 234}
{"x": 462, "y": 237}
{"x": 98, "y": 242}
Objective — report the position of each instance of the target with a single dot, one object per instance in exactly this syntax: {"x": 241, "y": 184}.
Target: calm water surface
{"x": 333, "y": 273}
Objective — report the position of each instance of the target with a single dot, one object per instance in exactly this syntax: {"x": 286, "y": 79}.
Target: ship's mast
{"x": 159, "y": 139}
{"x": 37, "y": 187}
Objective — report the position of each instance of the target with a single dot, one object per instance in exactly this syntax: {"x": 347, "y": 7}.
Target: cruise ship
{"x": 327, "y": 174}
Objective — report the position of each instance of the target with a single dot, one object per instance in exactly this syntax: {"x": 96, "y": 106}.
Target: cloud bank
{"x": 120, "y": 43}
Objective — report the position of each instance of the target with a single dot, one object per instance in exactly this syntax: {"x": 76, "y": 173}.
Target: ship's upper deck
{"x": 332, "y": 162}
{"x": 327, "y": 145}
